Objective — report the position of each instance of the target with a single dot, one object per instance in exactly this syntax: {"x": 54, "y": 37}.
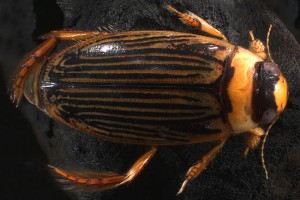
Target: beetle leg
{"x": 191, "y": 19}
{"x": 72, "y": 35}
{"x": 253, "y": 139}
{"x": 95, "y": 181}
{"x": 196, "y": 169}
{"x": 38, "y": 53}
{"x": 257, "y": 47}
{"x": 26, "y": 65}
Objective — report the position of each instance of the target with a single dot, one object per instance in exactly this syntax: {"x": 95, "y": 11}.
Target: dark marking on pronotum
{"x": 263, "y": 92}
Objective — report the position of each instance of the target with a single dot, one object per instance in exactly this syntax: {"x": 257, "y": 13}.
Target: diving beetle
{"x": 153, "y": 88}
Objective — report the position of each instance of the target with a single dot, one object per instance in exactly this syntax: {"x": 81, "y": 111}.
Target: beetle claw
{"x": 182, "y": 187}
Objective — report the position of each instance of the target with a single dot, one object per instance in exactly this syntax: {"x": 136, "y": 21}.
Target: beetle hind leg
{"x": 95, "y": 181}
{"x": 72, "y": 35}
{"x": 193, "y": 20}
{"x": 26, "y": 65}
{"x": 200, "y": 166}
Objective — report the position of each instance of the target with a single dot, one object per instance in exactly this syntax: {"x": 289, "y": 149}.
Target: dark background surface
{"x": 23, "y": 166}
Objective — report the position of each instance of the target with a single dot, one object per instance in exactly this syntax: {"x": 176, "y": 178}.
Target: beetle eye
{"x": 268, "y": 116}
{"x": 271, "y": 69}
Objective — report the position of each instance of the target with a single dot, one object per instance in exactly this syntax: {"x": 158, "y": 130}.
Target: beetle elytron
{"x": 153, "y": 88}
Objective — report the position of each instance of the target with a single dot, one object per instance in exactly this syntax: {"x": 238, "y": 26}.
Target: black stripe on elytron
{"x": 145, "y": 121}
{"x": 154, "y": 42}
{"x": 142, "y": 36}
{"x": 162, "y": 114}
{"x": 150, "y": 130}
{"x": 129, "y": 43}
{"x": 167, "y": 130}
{"x": 140, "y": 40}
{"x": 181, "y": 45}
{"x": 73, "y": 60}
{"x": 134, "y": 136}
{"x": 157, "y": 135}
{"x": 135, "y": 130}
{"x": 116, "y": 93}
{"x": 148, "y": 41}
{"x": 137, "y": 39}
{"x": 145, "y": 130}
{"x": 114, "y": 37}
{"x": 141, "y": 85}
{"x": 132, "y": 66}
{"x": 74, "y": 77}
{"x": 82, "y": 101}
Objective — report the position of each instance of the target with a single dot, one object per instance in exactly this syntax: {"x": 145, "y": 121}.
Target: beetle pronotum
{"x": 153, "y": 88}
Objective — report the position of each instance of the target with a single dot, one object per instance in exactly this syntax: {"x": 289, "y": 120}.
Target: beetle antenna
{"x": 263, "y": 147}
{"x": 268, "y": 47}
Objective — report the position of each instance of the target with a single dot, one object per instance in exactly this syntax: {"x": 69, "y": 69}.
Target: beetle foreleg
{"x": 196, "y": 169}
{"x": 95, "y": 181}
{"x": 191, "y": 19}
{"x": 253, "y": 139}
{"x": 257, "y": 47}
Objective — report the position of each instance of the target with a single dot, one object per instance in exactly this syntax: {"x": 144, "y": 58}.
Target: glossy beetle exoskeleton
{"x": 153, "y": 88}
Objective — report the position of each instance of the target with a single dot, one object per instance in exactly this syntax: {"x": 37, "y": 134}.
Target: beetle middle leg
{"x": 39, "y": 53}
{"x": 196, "y": 169}
{"x": 95, "y": 181}
{"x": 193, "y": 20}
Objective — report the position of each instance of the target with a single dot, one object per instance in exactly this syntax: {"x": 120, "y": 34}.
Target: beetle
{"x": 153, "y": 88}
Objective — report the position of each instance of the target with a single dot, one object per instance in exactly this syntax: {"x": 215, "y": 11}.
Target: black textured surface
{"x": 229, "y": 176}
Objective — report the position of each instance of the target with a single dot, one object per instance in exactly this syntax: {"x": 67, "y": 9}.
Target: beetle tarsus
{"x": 86, "y": 181}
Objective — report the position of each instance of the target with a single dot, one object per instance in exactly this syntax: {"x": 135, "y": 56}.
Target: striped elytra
{"x": 141, "y": 87}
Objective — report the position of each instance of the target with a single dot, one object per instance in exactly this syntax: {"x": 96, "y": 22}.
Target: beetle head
{"x": 270, "y": 93}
